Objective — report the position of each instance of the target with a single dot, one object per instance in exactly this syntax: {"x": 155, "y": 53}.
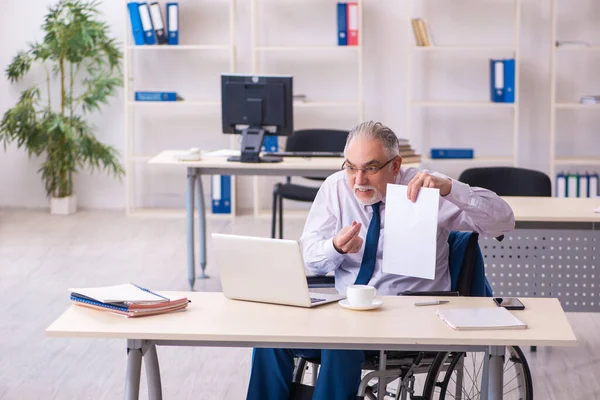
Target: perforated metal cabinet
{"x": 547, "y": 260}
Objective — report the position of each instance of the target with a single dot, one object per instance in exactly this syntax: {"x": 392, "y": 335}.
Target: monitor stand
{"x": 252, "y": 141}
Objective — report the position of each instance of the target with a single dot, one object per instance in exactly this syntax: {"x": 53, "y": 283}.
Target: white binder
{"x": 572, "y": 185}
{"x": 159, "y": 25}
{"x": 561, "y": 185}
{"x": 593, "y": 185}
{"x": 583, "y": 186}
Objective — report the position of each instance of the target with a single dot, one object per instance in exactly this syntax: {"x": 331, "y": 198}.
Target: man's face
{"x": 369, "y": 187}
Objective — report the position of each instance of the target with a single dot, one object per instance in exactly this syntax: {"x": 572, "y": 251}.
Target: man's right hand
{"x": 347, "y": 240}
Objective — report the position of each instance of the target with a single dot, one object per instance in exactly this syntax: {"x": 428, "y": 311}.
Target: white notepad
{"x": 480, "y": 318}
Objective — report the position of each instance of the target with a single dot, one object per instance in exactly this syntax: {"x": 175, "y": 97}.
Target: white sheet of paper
{"x": 409, "y": 240}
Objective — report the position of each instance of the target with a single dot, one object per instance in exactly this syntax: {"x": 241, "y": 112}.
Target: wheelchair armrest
{"x": 426, "y": 293}
{"x": 322, "y": 281}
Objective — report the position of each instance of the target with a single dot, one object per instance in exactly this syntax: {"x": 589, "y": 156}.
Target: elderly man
{"x": 343, "y": 234}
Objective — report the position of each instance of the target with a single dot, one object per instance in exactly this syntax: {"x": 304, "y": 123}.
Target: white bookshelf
{"x": 462, "y": 104}
{"x": 576, "y": 161}
{"x": 314, "y": 50}
{"x": 476, "y": 160}
{"x": 576, "y": 105}
{"x": 133, "y": 159}
{"x": 414, "y": 106}
{"x": 569, "y": 49}
{"x": 487, "y": 49}
{"x": 309, "y": 48}
{"x": 319, "y": 104}
{"x": 180, "y": 47}
{"x": 558, "y": 104}
{"x": 174, "y": 104}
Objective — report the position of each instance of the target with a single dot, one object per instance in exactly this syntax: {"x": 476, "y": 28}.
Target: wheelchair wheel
{"x": 458, "y": 376}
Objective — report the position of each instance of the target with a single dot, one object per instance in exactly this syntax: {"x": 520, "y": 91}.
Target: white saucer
{"x": 375, "y": 304}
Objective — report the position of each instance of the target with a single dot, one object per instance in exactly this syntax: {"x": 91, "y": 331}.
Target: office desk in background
{"x": 553, "y": 252}
{"x": 317, "y": 167}
{"x": 292, "y": 166}
{"x": 213, "y": 320}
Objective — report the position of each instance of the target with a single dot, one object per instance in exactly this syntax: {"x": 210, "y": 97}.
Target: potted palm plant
{"x": 82, "y": 65}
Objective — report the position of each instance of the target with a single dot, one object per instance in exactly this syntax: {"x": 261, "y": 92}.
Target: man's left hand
{"x": 425, "y": 179}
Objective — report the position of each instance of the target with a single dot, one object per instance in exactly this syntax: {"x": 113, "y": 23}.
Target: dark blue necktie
{"x": 367, "y": 266}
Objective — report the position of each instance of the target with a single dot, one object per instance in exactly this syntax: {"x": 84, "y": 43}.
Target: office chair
{"x": 509, "y": 181}
{"x": 443, "y": 369}
{"x": 304, "y": 140}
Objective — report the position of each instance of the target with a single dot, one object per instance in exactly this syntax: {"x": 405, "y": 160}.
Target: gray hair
{"x": 375, "y": 130}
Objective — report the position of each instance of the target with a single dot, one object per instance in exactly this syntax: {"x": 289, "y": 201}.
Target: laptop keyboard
{"x": 316, "y": 297}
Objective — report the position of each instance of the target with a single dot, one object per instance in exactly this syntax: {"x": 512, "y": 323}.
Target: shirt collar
{"x": 396, "y": 182}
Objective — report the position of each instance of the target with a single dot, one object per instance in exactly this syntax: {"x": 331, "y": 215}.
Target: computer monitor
{"x": 255, "y": 106}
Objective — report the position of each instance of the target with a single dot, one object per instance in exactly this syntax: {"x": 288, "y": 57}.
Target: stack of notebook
{"x": 128, "y": 299}
{"x": 407, "y": 152}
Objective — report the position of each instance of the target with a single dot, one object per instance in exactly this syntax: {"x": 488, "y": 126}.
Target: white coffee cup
{"x": 360, "y": 295}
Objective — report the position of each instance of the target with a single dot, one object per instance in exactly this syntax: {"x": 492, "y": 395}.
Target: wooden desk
{"x": 213, "y": 320}
{"x": 554, "y": 210}
{"x": 551, "y": 253}
{"x": 290, "y": 166}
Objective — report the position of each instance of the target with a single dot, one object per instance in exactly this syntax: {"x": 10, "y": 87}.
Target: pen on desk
{"x": 431, "y": 303}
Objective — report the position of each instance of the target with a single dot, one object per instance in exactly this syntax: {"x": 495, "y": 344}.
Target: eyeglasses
{"x": 370, "y": 170}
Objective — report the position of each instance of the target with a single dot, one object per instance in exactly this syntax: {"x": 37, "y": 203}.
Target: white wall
{"x": 386, "y": 38}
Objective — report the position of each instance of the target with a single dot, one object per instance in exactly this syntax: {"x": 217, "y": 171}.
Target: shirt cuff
{"x": 330, "y": 252}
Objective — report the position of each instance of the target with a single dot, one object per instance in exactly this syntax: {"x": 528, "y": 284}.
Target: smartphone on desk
{"x": 510, "y": 303}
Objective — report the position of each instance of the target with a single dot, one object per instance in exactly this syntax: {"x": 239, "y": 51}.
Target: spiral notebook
{"x": 480, "y": 318}
{"x": 127, "y": 299}
{"x": 135, "y": 310}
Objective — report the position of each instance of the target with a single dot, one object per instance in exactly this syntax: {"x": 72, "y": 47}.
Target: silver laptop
{"x": 265, "y": 270}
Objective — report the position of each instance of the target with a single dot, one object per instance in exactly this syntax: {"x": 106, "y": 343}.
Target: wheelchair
{"x": 430, "y": 375}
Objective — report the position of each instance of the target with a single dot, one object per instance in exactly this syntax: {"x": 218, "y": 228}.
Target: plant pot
{"x": 63, "y": 205}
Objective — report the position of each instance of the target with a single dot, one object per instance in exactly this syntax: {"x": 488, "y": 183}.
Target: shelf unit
{"x": 566, "y": 106}
{"x": 416, "y": 51}
{"x": 132, "y": 158}
{"x": 257, "y": 49}
{"x": 476, "y": 160}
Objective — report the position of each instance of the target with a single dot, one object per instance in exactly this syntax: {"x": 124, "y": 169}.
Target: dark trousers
{"x": 273, "y": 369}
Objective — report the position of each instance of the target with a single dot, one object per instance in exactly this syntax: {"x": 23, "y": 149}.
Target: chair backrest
{"x": 317, "y": 140}
{"x": 509, "y": 181}
{"x": 467, "y": 270}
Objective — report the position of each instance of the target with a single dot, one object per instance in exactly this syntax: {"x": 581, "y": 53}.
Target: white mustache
{"x": 363, "y": 187}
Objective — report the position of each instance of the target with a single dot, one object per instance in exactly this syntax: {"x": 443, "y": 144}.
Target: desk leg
{"x": 496, "y": 374}
{"x": 382, "y": 381}
{"x": 152, "y": 372}
{"x": 134, "y": 368}
{"x": 201, "y": 224}
{"x": 189, "y": 208}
